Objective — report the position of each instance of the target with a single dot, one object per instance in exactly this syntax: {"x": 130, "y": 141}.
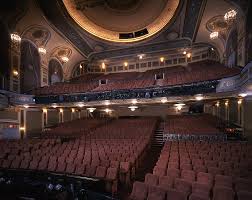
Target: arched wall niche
{"x": 232, "y": 48}
{"x": 55, "y": 71}
{"x": 30, "y": 72}
{"x": 79, "y": 69}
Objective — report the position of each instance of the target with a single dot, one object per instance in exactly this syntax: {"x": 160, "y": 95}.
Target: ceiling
{"x": 94, "y": 26}
{"x": 108, "y": 19}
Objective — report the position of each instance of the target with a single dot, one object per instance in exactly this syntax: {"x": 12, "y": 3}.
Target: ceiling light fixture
{"x": 226, "y": 103}
{"x": 125, "y": 64}
{"x": 42, "y": 50}
{"x": 164, "y": 100}
{"x": 26, "y": 106}
{"x": 230, "y": 16}
{"x": 15, "y": 37}
{"x": 140, "y": 56}
{"x": 162, "y": 59}
{"x": 54, "y": 106}
{"x": 179, "y": 106}
{"x": 134, "y": 101}
{"x": 239, "y": 101}
{"x": 184, "y": 52}
{"x": 91, "y": 109}
{"x": 243, "y": 94}
{"x": 15, "y": 72}
{"x": 81, "y": 105}
{"x": 132, "y": 108}
{"x": 73, "y": 110}
{"x": 103, "y": 65}
{"x": 199, "y": 97}
{"x": 64, "y": 59}
{"x": 44, "y": 110}
{"x": 107, "y": 102}
{"x": 107, "y": 110}
{"x": 188, "y": 55}
{"x": 214, "y": 35}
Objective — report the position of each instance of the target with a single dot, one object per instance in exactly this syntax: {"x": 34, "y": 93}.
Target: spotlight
{"x": 125, "y": 64}
{"x": 226, "y": 103}
{"x": 26, "y": 106}
{"x": 188, "y": 55}
{"x": 162, "y": 59}
{"x": 44, "y": 110}
{"x": 80, "y": 66}
{"x": 239, "y": 101}
{"x": 54, "y": 106}
{"x": 73, "y": 110}
{"x": 184, "y": 52}
{"x": 217, "y": 104}
{"x": 179, "y": 106}
{"x": 61, "y": 110}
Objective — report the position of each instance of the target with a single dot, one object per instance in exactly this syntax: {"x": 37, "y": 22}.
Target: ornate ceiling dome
{"x": 122, "y": 21}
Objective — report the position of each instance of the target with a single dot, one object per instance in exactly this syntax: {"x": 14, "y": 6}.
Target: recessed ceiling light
{"x": 243, "y": 94}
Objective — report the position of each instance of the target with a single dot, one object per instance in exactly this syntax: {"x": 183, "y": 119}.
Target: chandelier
{"x": 42, "y": 50}
{"x": 214, "y": 35}
{"x": 64, "y": 59}
{"x": 15, "y": 37}
{"x": 230, "y": 16}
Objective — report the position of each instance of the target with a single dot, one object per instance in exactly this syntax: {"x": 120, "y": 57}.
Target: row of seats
{"x": 73, "y": 128}
{"x": 194, "y": 72}
{"x": 199, "y": 171}
{"x": 195, "y": 125}
{"x": 103, "y": 153}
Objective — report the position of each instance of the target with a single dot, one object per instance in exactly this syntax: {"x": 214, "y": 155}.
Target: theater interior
{"x": 126, "y": 100}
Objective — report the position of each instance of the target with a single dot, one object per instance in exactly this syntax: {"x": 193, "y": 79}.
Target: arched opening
{"x": 55, "y": 73}
{"x": 30, "y": 67}
{"x": 232, "y": 48}
{"x": 4, "y": 56}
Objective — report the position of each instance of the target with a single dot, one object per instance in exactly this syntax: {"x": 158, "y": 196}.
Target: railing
{"x": 235, "y": 83}
{"x": 145, "y": 93}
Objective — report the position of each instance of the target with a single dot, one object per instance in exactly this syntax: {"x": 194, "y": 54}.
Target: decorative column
{"x": 15, "y": 57}
{"x": 61, "y": 115}
{"x": 22, "y": 123}
{"x": 43, "y": 66}
{"x": 44, "y": 118}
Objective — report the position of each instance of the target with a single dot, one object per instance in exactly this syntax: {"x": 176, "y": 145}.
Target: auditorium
{"x": 126, "y": 100}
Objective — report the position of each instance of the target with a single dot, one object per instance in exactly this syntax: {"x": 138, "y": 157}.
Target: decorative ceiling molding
{"x": 110, "y": 32}
{"x": 60, "y": 20}
{"x": 39, "y": 35}
{"x": 60, "y": 52}
{"x": 193, "y": 9}
{"x": 146, "y": 48}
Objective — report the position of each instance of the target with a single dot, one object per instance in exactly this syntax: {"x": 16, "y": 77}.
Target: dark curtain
{"x": 30, "y": 67}
{"x": 55, "y": 73}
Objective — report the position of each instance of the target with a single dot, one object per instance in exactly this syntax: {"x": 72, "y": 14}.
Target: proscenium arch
{"x": 55, "y": 71}
{"x": 30, "y": 69}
